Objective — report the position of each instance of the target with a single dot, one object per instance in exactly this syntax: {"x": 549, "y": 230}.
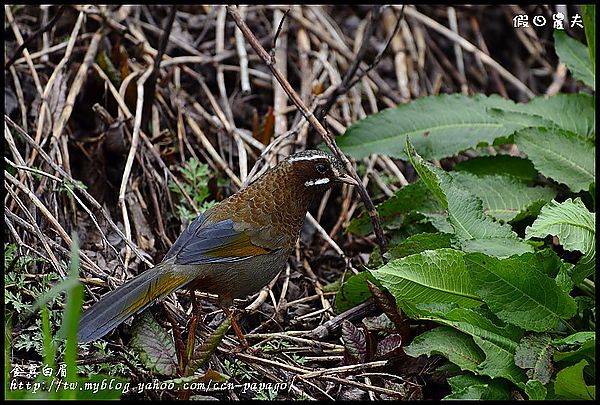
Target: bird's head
{"x": 317, "y": 170}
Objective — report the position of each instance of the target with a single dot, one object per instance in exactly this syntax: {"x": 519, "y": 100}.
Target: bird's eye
{"x": 321, "y": 168}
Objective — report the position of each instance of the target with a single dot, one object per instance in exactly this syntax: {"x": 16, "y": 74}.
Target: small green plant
{"x": 50, "y": 382}
{"x": 275, "y": 345}
{"x": 196, "y": 176}
{"x": 238, "y": 368}
{"x": 298, "y": 359}
{"x": 21, "y": 289}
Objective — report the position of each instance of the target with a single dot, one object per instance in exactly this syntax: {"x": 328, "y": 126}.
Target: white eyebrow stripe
{"x": 324, "y": 180}
{"x": 312, "y": 157}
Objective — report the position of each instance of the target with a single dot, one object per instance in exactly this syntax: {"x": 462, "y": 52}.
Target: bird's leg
{"x": 196, "y": 305}
{"x": 196, "y": 315}
{"x": 236, "y": 328}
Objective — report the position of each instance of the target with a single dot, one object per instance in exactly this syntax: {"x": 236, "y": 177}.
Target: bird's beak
{"x": 346, "y": 178}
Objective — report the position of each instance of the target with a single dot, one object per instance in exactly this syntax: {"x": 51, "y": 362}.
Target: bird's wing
{"x": 217, "y": 242}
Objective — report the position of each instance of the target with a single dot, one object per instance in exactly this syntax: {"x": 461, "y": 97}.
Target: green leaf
{"x": 516, "y": 167}
{"x": 354, "y": 291}
{"x": 503, "y": 197}
{"x": 154, "y": 346}
{"x": 498, "y": 342}
{"x": 49, "y": 343}
{"x": 432, "y": 276}
{"x": 575, "y": 228}
{"x": 576, "y": 56}
{"x": 534, "y": 353}
{"x": 72, "y": 314}
{"x": 534, "y": 390}
{"x": 518, "y": 291}
{"x": 586, "y": 348}
{"x": 438, "y": 126}
{"x": 589, "y": 22}
{"x": 576, "y": 338}
{"x": 469, "y": 386}
{"x": 570, "y": 384}
{"x": 456, "y": 346}
{"x": 587, "y": 351}
{"x": 418, "y": 243}
{"x": 560, "y": 155}
{"x": 475, "y": 391}
{"x": 475, "y": 231}
{"x": 572, "y": 112}
{"x": 395, "y": 211}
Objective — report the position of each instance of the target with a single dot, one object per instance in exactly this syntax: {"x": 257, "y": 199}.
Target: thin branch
{"x": 279, "y": 27}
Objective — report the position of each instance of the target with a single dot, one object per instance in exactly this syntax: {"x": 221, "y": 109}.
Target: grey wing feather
{"x": 186, "y": 235}
{"x": 197, "y": 241}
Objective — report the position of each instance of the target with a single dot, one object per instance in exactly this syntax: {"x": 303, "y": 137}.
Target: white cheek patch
{"x": 316, "y": 182}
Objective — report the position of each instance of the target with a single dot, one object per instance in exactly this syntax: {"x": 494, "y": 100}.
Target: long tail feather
{"x": 127, "y": 300}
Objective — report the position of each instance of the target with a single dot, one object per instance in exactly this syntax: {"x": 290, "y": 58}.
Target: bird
{"x": 232, "y": 249}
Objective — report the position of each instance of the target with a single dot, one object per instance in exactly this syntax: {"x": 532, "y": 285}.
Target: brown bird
{"x": 233, "y": 249}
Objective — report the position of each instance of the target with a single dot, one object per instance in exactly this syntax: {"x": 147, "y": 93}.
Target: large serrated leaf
{"x": 497, "y": 342}
{"x": 395, "y": 211}
{"x": 432, "y": 276}
{"x": 518, "y": 291}
{"x": 503, "y": 197}
{"x": 560, "y": 155}
{"x": 519, "y": 168}
{"x": 456, "y": 346}
{"x": 418, "y": 243}
{"x": 575, "y": 228}
{"x": 154, "y": 346}
{"x": 576, "y": 56}
{"x": 572, "y": 112}
{"x": 475, "y": 231}
{"x": 438, "y": 126}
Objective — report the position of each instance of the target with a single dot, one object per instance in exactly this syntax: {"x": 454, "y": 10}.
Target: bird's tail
{"x": 127, "y": 300}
